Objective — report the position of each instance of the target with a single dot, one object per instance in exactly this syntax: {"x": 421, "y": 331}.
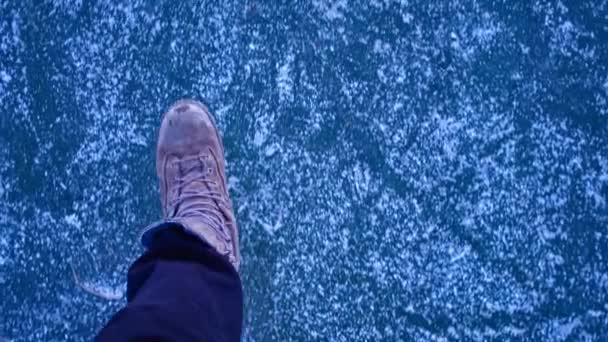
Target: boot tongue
{"x": 189, "y": 165}
{"x": 194, "y": 171}
{"x": 199, "y": 194}
{"x": 198, "y": 203}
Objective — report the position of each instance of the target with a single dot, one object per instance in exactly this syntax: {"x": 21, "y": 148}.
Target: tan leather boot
{"x": 191, "y": 168}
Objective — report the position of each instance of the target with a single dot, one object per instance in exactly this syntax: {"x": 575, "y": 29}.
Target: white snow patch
{"x": 461, "y": 255}
{"x": 331, "y": 11}
{"x": 272, "y": 149}
{"x": 381, "y": 47}
{"x": 563, "y": 330}
{"x": 361, "y": 179}
{"x": 268, "y": 227}
{"x": 73, "y": 220}
{"x": 264, "y": 123}
{"x": 5, "y": 77}
{"x": 284, "y": 80}
{"x": 259, "y": 137}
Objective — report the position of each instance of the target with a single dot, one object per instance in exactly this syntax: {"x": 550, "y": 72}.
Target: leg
{"x": 186, "y": 286}
{"x": 181, "y": 289}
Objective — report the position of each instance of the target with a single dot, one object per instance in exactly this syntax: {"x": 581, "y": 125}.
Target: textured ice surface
{"x": 403, "y": 170}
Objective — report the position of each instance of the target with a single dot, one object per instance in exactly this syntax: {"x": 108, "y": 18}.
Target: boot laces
{"x": 203, "y": 202}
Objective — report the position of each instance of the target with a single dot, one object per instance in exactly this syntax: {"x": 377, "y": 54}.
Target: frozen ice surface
{"x": 402, "y": 170}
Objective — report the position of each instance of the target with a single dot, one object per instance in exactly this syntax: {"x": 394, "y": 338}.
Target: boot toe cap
{"x": 186, "y": 127}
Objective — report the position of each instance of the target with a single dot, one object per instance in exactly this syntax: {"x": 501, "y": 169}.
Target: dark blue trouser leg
{"x": 179, "y": 290}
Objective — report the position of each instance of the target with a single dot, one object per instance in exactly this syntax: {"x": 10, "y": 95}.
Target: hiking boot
{"x": 191, "y": 168}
